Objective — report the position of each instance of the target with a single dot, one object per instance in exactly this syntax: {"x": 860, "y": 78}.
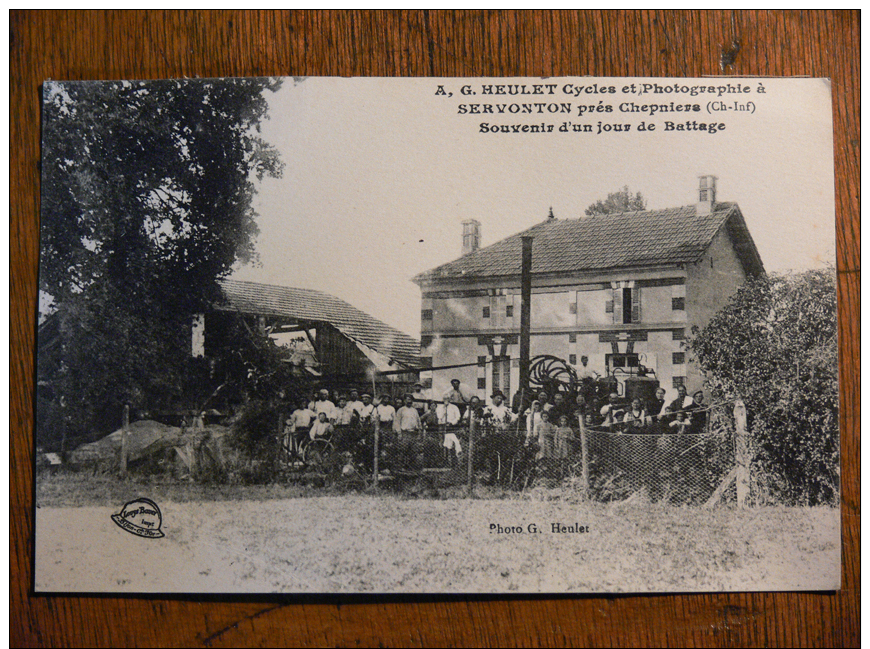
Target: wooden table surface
{"x": 151, "y": 45}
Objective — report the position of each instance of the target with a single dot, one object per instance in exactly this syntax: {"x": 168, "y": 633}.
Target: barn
{"x": 349, "y": 347}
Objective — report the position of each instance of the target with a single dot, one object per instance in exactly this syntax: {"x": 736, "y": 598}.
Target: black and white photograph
{"x": 437, "y": 335}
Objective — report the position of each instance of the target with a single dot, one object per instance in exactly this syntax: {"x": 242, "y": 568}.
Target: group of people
{"x": 684, "y": 414}
{"x": 549, "y": 425}
{"x": 414, "y": 416}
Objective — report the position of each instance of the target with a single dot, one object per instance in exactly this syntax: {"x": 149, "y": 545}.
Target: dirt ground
{"x": 386, "y": 543}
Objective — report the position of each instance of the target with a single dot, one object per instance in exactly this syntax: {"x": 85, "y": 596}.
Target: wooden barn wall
{"x": 338, "y": 355}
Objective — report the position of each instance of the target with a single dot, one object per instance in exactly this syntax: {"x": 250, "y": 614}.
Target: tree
{"x": 146, "y": 205}
{"x": 775, "y": 346}
{"x": 617, "y": 202}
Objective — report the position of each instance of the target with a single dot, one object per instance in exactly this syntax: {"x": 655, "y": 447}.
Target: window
{"x": 679, "y": 358}
{"x": 608, "y": 306}
{"x": 624, "y": 363}
{"x": 426, "y": 314}
{"x": 679, "y": 334}
{"x": 501, "y": 375}
{"x": 425, "y": 341}
{"x": 481, "y": 361}
{"x": 678, "y": 304}
{"x": 486, "y": 312}
{"x": 625, "y": 305}
{"x": 572, "y": 359}
{"x": 572, "y": 338}
{"x": 481, "y": 383}
{"x": 425, "y": 362}
{"x": 509, "y": 311}
{"x": 572, "y": 307}
{"x": 678, "y": 381}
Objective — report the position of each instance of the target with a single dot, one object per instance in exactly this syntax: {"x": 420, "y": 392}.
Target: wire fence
{"x": 678, "y": 464}
{"x": 682, "y": 458}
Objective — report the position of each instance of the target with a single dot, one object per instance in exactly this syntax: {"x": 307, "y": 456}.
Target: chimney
{"x": 706, "y": 194}
{"x": 470, "y": 236}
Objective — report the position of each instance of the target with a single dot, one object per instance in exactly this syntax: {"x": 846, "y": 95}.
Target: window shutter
{"x": 617, "y": 306}
{"x": 635, "y": 305}
{"x": 608, "y": 306}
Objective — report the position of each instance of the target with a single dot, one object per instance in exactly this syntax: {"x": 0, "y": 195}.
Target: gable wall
{"x": 709, "y": 285}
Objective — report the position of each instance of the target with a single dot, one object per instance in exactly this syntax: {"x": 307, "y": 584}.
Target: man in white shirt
{"x": 407, "y": 419}
{"x": 354, "y": 401}
{"x": 500, "y": 415}
{"x": 448, "y": 413}
{"x": 385, "y": 412}
{"x": 345, "y": 412}
{"x": 584, "y": 372}
{"x": 457, "y": 393}
{"x": 324, "y": 405}
{"x": 298, "y": 424}
{"x": 448, "y": 421}
{"x": 408, "y": 427}
{"x": 301, "y": 418}
{"x": 365, "y": 413}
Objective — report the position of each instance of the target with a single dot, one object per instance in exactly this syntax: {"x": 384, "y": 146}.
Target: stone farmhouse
{"x": 623, "y": 290}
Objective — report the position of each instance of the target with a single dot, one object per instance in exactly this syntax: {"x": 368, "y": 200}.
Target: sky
{"x": 380, "y": 173}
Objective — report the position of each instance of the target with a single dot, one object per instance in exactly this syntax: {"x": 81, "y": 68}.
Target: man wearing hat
{"x": 324, "y": 405}
{"x": 385, "y": 411}
{"x": 354, "y": 402}
{"x": 457, "y": 393}
{"x": 408, "y": 428}
{"x": 420, "y": 398}
{"x": 367, "y": 409}
{"x": 498, "y": 412}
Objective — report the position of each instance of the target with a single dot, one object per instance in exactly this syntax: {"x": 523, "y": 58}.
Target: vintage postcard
{"x": 497, "y": 335}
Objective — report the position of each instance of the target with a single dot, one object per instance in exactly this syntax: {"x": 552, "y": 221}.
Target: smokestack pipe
{"x": 525, "y": 313}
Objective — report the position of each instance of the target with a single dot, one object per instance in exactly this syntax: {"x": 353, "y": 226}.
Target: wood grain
{"x": 145, "y": 44}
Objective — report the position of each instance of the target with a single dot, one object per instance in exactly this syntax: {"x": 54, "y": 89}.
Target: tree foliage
{"x": 146, "y": 205}
{"x": 775, "y": 346}
{"x": 618, "y": 202}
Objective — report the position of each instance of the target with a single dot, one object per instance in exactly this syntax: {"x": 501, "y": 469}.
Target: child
{"x": 635, "y": 418}
{"x": 546, "y": 437}
{"x": 563, "y": 437}
{"x": 680, "y": 425}
{"x": 533, "y": 422}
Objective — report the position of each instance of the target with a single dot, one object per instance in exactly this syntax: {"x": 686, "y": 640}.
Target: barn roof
{"x": 610, "y": 242}
{"x": 317, "y": 306}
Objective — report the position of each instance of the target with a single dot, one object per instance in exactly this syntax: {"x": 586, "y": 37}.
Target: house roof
{"x": 598, "y": 243}
{"x": 317, "y": 306}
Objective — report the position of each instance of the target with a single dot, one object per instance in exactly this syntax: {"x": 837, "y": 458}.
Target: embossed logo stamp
{"x": 141, "y": 517}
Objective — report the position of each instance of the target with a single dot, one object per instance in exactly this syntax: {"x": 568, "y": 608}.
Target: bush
{"x": 775, "y": 346}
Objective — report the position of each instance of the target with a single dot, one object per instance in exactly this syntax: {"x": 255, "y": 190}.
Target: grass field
{"x": 294, "y": 540}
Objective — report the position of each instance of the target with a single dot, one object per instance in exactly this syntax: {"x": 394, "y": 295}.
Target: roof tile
{"x": 648, "y": 238}
{"x": 308, "y": 304}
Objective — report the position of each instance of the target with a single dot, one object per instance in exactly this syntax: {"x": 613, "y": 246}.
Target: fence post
{"x": 741, "y": 453}
{"x": 584, "y": 456}
{"x": 280, "y": 453}
{"x": 471, "y": 431}
{"x": 125, "y": 427}
{"x": 377, "y": 420}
